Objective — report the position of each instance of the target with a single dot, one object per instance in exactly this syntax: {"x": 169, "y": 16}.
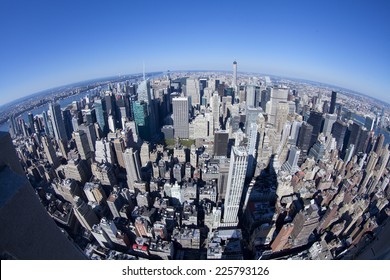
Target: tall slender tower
{"x": 58, "y": 122}
{"x": 235, "y": 185}
{"x": 333, "y": 102}
{"x": 234, "y": 75}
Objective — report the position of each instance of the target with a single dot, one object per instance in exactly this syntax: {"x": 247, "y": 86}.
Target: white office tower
{"x": 201, "y": 127}
{"x": 144, "y": 154}
{"x": 215, "y": 109}
{"x": 193, "y": 90}
{"x": 278, "y": 94}
{"x": 180, "y": 117}
{"x": 281, "y": 115}
{"x": 234, "y": 82}
{"x": 104, "y": 152}
{"x": 291, "y": 165}
{"x": 235, "y": 185}
{"x": 133, "y": 167}
{"x": 294, "y": 133}
{"x": 251, "y": 149}
{"x": 111, "y": 123}
{"x": 251, "y": 113}
{"x": 251, "y": 95}
{"x": 349, "y": 153}
{"x": 330, "y": 119}
{"x": 57, "y": 121}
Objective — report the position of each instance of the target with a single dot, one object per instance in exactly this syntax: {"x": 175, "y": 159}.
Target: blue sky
{"x": 48, "y": 43}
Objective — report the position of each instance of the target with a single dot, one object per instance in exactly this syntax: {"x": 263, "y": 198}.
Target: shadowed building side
{"x": 27, "y": 231}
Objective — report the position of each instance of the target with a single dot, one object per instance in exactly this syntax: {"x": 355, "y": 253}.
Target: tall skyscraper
{"x": 82, "y": 144}
{"x": 234, "y": 82}
{"x": 101, "y": 115}
{"x": 277, "y": 95}
{"x": 91, "y": 134}
{"x": 291, "y": 165}
{"x": 235, "y": 185}
{"x": 49, "y": 151}
{"x": 338, "y": 132}
{"x": 133, "y": 167}
{"x": 221, "y": 139}
{"x": 180, "y": 117}
{"x": 67, "y": 118}
{"x": 57, "y": 121}
{"x": 315, "y": 120}
{"x": 141, "y": 118}
{"x": 333, "y": 102}
{"x": 251, "y": 116}
{"x": 193, "y": 91}
{"x": 330, "y": 119}
{"x": 303, "y": 142}
{"x": 251, "y": 95}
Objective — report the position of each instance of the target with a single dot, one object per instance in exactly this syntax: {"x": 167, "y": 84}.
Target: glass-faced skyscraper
{"x": 142, "y": 119}
{"x": 235, "y": 185}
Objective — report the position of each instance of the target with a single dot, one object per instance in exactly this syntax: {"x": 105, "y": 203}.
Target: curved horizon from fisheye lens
{"x": 48, "y": 45}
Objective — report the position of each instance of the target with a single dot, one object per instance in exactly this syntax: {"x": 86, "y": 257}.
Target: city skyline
{"x": 342, "y": 44}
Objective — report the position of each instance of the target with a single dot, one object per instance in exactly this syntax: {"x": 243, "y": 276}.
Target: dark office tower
{"x": 25, "y": 235}
{"x": 31, "y": 122}
{"x": 109, "y": 99}
{"x": 13, "y": 127}
{"x": 363, "y": 140}
{"x": 221, "y": 139}
{"x": 67, "y": 116}
{"x": 57, "y": 121}
{"x": 265, "y": 97}
{"x": 352, "y": 135}
{"x": 303, "y": 143}
{"x": 338, "y": 132}
{"x": 379, "y": 143}
{"x": 141, "y": 118}
{"x": 333, "y": 102}
{"x": 38, "y": 124}
{"x": 47, "y": 124}
{"x": 101, "y": 116}
{"x": 316, "y": 121}
{"x": 84, "y": 213}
